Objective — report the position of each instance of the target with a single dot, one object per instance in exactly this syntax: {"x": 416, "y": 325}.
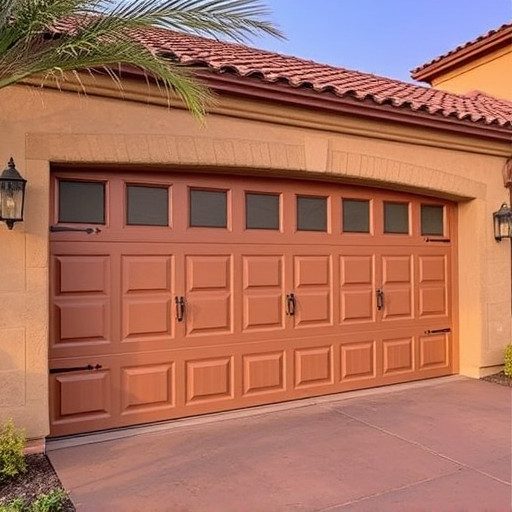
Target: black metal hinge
{"x": 60, "y": 229}
{"x": 438, "y": 331}
{"x": 442, "y": 240}
{"x": 76, "y": 368}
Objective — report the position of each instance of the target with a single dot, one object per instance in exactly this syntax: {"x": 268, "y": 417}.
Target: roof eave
{"x": 255, "y": 88}
{"x": 429, "y": 72}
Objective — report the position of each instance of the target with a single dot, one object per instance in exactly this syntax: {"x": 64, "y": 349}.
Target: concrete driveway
{"x": 439, "y": 445}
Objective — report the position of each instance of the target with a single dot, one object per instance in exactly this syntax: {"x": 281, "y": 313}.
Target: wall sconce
{"x": 12, "y": 195}
{"x": 502, "y": 222}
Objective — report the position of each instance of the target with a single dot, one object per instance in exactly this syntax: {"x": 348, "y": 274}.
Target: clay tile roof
{"x": 490, "y": 40}
{"x": 273, "y": 68}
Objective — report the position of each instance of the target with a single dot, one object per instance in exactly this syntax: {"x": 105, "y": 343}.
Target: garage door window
{"x": 432, "y": 220}
{"x": 396, "y": 218}
{"x": 311, "y": 213}
{"x": 261, "y": 211}
{"x": 356, "y": 216}
{"x": 208, "y": 209}
{"x": 147, "y": 206}
{"x": 82, "y": 202}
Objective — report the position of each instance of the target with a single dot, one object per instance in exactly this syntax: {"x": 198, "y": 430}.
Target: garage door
{"x": 184, "y": 294}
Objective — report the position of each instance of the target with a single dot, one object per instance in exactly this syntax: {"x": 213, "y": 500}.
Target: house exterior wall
{"x": 491, "y": 74}
{"x": 40, "y": 127}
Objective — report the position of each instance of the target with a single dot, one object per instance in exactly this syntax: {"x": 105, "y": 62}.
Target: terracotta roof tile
{"x": 464, "y": 46}
{"x": 245, "y": 61}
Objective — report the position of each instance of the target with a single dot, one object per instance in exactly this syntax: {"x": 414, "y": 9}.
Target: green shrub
{"x": 51, "y": 502}
{"x": 12, "y": 446}
{"x": 508, "y": 361}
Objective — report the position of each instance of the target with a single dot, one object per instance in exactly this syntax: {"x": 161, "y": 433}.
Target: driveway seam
{"x": 387, "y": 491}
{"x": 422, "y": 446}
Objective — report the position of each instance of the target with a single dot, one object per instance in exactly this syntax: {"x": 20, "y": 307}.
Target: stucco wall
{"x": 39, "y": 127}
{"x": 492, "y": 74}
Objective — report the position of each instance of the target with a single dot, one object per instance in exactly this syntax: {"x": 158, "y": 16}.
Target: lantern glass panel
{"x": 11, "y": 200}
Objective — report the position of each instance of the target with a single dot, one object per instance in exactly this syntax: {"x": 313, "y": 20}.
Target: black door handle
{"x": 180, "y": 308}
{"x": 380, "y": 298}
{"x": 290, "y": 304}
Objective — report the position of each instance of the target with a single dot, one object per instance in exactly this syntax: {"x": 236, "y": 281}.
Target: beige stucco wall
{"x": 492, "y": 74}
{"x": 43, "y": 126}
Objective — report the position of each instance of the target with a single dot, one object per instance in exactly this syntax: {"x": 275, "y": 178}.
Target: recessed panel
{"x": 146, "y": 317}
{"x": 209, "y": 380}
{"x": 358, "y": 360}
{"x": 396, "y": 269}
{"x": 82, "y": 321}
{"x": 147, "y": 387}
{"x": 82, "y": 274}
{"x": 313, "y": 366}
{"x": 262, "y": 271}
{"x": 433, "y": 301}
{"x": 208, "y": 272}
{"x": 398, "y": 355}
{"x": 208, "y": 314}
{"x": 146, "y": 273}
{"x": 86, "y": 393}
{"x": 312, "y": 270}
{"x": 263, "y": 310}
{"x": 397, "y": 303}
{"x": 432, "y": 268}
{"x": 357, "y": 306}
{"x": 313, "y": 308}
{"x": 263, "y": 373}
{"x": 356, "y": 270}
{"x": 433, "y": 352}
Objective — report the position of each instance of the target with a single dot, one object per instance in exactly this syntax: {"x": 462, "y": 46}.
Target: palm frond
{"x": 52, "y": 37}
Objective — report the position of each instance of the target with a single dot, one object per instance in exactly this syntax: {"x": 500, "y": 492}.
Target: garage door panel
{"x": 434, "y": 351}
{"x": 313, "y": 367}
{"x": 147, "y": 388}
{"x": 208, "y": 314}
{"x": 397, "y": 303}
{"x": 358, "y": 360}
{"x": 262, "y": 292}
{"x": 146, "y": 273}
{"x": 82, "y": 275}
{"x": 82, "y": 396}
{"x": 433, "y": 285}
{"x": 398, "y": 355}
{"x": 209, "y": 380}
{"x": 263, "y": 373}
{"x": 313, "y": 308}
{"x": 81, "y": 322}
{"x": 208, "y": 272}
{"x": 147, "y": 317}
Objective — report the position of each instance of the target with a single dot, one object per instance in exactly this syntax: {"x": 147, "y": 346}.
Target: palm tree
{"x": 48, "y": 38}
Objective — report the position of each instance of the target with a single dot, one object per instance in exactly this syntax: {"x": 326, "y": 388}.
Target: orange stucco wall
{"x": 491, "y": 74}
{"x": 43, "y": 126}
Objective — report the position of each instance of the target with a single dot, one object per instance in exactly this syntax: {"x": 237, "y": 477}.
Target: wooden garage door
{"x": 177, "y": 295}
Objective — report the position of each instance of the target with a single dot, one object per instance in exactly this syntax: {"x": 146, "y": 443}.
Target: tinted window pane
{"x": 82, "y": 201}
{"x": 432, "y": 220}
{"x": 208, "y": 209}
{"x": 312, "y": 213}
{"x": 396, "y": 218}
{"x": 356, "y": 216}
{"x": 262, "y": 211}
{"x": 147, "y": 206}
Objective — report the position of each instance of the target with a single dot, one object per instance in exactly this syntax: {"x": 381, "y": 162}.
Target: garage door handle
{"x": 380, "y": 298}
{"x": 180, "y": 308}
{"x": 290, "y": 304}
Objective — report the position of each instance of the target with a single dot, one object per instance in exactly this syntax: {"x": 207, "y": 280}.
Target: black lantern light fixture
{"x": 12, "y": 195}
{"x": 502, "y": 222}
